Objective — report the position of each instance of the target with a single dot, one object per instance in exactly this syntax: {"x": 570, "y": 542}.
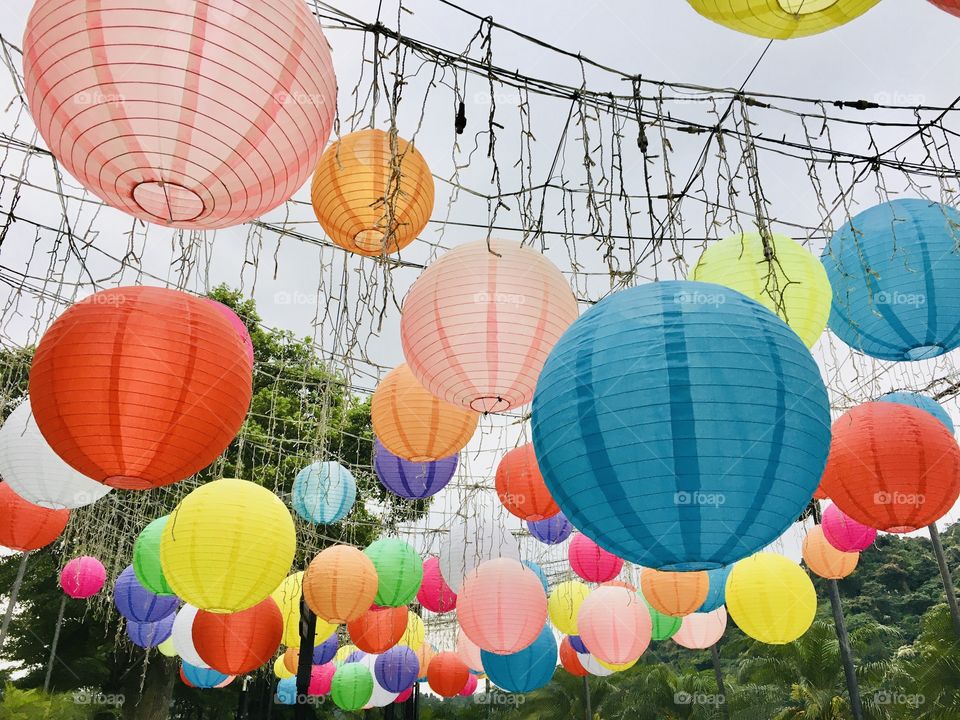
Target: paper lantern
{"x": 351, "y": 687}
{"x": 166, "y": 648}
{"x": 792, "y": 284}
{"x": 577, "y": 644}
{"x": 825, "y": 560}
{"x": 771, "y": 598}
{"x": 614, "y": 624}
{"x": 895, "y": 272}
{"x": 501, "y": 606}
{"x": 594, "y": 666}
{"x": 478, "y": 323}
{"x": 569, "y": 659}
{"x": 200, "y": 117}
{"x": 716, "y": 589}
{"x": 380, "y": 697}
{"x": 674, "y": 593}
{"x": 782, "y": 19}
{"x": 564, "y": 605}
{"x": 404, "y": 696}
{"x": 472, "y": 541}
{"x": 372, "y": 192}
{"x": 616, "y": 667}
{"x": 378, "y": 630}
{"x": 280, "y": 668}
{"x": 447, "y": 675}
{"x": 735, "y": 433}
{"x": 892, "y": 467}
{"x": 412, "y": 480}
{"x": 702, "y": 629}
{"x": 469, "y": 652}
{"x": 415, "y": 633}
{"x": 146, "y": 558}
{"x": 324, "y": 492}
{"x": 551, "y": 531}
{"x": 287, "y": 691}
{"x": 287, "y": 597}
{"x": 183, "y": 636}
{"x": 83, "y": 577}
{"x": 950, "y": 6}
{"x": 539, "y": 572}
{"x": 150, "y": 634}
{"x": 138, "y": 604}
{"x": 434, "y": 593}
{"x": 526, "y": 670}
{"x": 663, "y": 626}
{"x": 921, "y": 402}
{"x": 397, "y": 669}
{"x": 239, "y": 642}
{"x": 35, "y": 472}
{"x": 399, "y": 569}
{"x": 238, "y": 325}
{"x": 413, "y": 424}
{"x": 471, "y": 687}
{"x": 340, "y": 584}
{"x": 325, "y": 651}
{"x": 424, "y": 654}
{"x": 348, "y": 653}
{"x": 592, "y": 562}
{"x": 202, "y": 677}
{"x": 845, "y": 533}
{"x": 520, "y": 486}
{"x": 138, "y": 387}
{"x": 321, "y": 679}
{"x": 25, "y": 526}
{"x": 291, "y": 659}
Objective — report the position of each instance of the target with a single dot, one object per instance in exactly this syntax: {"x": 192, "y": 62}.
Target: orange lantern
{"x": 139, "y": 387}
{"x": 412, "y": 423}
{"x": 369, "y": 197}
{"x": 521, "y": 488}
{"x": 378, "y": 629}
{"x": 570, "y": 660}
{"x": 447, "y": 674}
{"x": 291, "y": 659}
{"x": 824, "y": 559}
{"x": 25, "y": 526}
{"x": 425, "y": 654}
{"x": 240, "y": 642}
{"x": 340, "y": 584}
{"x": 674, "y": 593}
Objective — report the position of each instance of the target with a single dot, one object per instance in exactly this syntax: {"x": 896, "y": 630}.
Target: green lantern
{"x": 399, "y": 570}
{"x": 146, "y": 558}
{"x": 352, "y": 686}
{"x": 664, "y": 626}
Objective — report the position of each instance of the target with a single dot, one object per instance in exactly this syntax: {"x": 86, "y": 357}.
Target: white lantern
{"x": 593, "y": 666}
{"x": 183, "y": 636}
{"x": 472, "y": 541}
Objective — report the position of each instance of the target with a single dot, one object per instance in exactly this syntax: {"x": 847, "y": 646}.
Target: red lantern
{"x": 238, "y": 643}
{"x": 139, "y": 387}
{"x": 569, "y": 659}
{"x": 25, "y": 526}
{"x": 521, "y": 488}
{"x": 950, "y": 6}
{"x": 892, "y": 467}
{"x": 447, "y": 674}
{"x": 378, "y": 629}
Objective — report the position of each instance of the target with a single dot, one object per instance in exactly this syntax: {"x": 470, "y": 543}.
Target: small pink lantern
{"x": 592, "y": 562}
{"x": 469, "y": 652}
{"x": 434, "y": 593}
{"x": 405, "y": 695}
{"x": 699, "y": 631}
{"x": 471, "y": 687}
{"x": 844, "y": 533}
{"x": 83, "y": 577}
{"x": 237, "y": 324}
{"x": 614, "y": 624}
{"x": 321, "y": 679}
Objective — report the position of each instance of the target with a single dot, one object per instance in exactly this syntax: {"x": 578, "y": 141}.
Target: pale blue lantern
{"x": 717, "y": 592}
{"x": 923, "y": 403}
{"x": 324, "y": 492}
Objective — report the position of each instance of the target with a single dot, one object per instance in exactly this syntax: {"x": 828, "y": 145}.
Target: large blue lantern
{"x": 524, "y": 671}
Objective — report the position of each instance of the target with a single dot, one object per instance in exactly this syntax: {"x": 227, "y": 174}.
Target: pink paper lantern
{"x": 592, "y": 562}
{"x": 83, "y": 577}
{"x": 844, "y": 533}
{"x": 502, "y": 606}
{"x": 186, "y": 114}
{"x": 471, "y": 687}
{"x": 469, "y": 652}
{"x": 614, "y": 624}
{"x": 321, "y": 679}
{"x": 434, "y": 593}
{"x": 699, "y": 631}
{"x": 237, "y": 324}
{"x": 405, "y": 695}
{"x": 478, "y": 324}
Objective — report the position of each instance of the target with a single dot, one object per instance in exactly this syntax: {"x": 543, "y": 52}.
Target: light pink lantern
{"x": 614, "y": 624}
{"x": 469, "y": 652}
{"x": 502, "y": 606}
{"x": 478, "y": 324}
{"x": 186, "y": 114}
{"x": 471, "y": 687}
{"x": 844, "y": 533}
{"x": 699, "y": 631}
{"x": 83, "y": 577}
{"x": 592, "y": 562}
{"x": 434, "y": 593}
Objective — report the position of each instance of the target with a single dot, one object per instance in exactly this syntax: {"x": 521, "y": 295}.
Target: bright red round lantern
{"x": 950, "y": 6}
{"x": 25, "y": 526}
{"x": 139, "y": 387}
{"x": 520, "y": 486}
{"x": 194, "y": 115}
{"x": 592, "y": 562}
{"x": 892, "y": 467}
{"x": 447, "y": 674}
{"x": 238, "y": 643}
{"x": 378, "y": 629}
{"x": 570, "y": 660}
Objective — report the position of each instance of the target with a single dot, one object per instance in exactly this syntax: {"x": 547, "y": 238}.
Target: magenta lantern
{"x": 83, "y": 577}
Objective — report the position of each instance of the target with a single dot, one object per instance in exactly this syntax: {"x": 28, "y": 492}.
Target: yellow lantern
{"x": 280, "y": 669}
{"x": 227, "y": 546}
{"x": 771, "y": 598}
{"x": 415, "y": 633}
{"x": 287, "y": 596}
{"x": 343, "y": 653}
{"x": 617, "y": 668}
{"x": 794, "y": 284}
{"x": 166, "y": 648}
{"x": 782, "y": 19}
{"x": 824, "y": 559}
{"x": 564, "y": 604}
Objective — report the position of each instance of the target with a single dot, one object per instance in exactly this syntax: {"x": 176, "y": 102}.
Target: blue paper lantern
{"x": 138, "y": 604}
{"x": 326, "y": 651}
{"x": 577, "y": 644}
{"x": 287, "y": 691}
{"x": 551, "y": 531}
{"x": 203, "y": 677}
{"x": 523, "y": 671}
{"x": 681, "y": 425}
{"x": 717, "y": 591}
{"x": 397, "y": 669}
{"x": 541, "y": 575}
{"x": 412, "y": 480}
{"x": 923, "y": 403}
{"x": 324, "y": 492}
{"x": 150, "y": 634}
{"x": 895, "y": 272}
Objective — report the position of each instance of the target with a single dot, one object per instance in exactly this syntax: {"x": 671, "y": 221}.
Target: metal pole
{"x": 12, "y": 602}
{"x": 721, "y": 688}
{"x": 308, "y": 630}
{"x": 586, "y": 697}
{"x": 948, "y": 586}
{"x": 53, "y": 647}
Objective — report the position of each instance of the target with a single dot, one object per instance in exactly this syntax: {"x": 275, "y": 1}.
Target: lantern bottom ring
{"x": 167, "y": 201}
{"x": 924, "y": 352}
{"x": 127, "y": 482}
{"x": 371, "y": 241}
{"x": 489, "y": 404}
{"x": 690, "y": 566}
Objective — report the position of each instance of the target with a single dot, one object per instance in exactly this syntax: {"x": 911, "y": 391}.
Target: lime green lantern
{"x": 399, "y": 571}
{"x": 146, "y": 558}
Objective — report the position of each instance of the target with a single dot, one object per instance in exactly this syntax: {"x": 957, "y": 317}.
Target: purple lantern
{"x": 412, "y": 480}
{"x": 325, "y": 651}
{"x": 397, "y": 669}
{"x": 138, "y": 604}
{"x": 150, "y": 634}
{"x": 552, "y": 531}
{"x": 577, "y": 644}
{"x": 355, "y": 656}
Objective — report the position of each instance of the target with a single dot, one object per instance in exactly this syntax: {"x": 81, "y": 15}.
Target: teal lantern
{"x": 324, "y": 492}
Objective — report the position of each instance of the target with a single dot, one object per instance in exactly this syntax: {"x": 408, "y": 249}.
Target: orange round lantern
{"x": 447, "y": 674}
{"x": 412, "y": 423}
{"x": 25, "y": 526}
{"x": 378, "y": 629}
{"x": 340, "y": 584}
{"x": 139, "y": 387}
{"x": 674, "y": 593}
{"x": 240, "y": 642}
{"x": 521, "y": 488}
{"x": 892, "y": 467}
{"x": 291, "y": 659}
{"x": 425, "y": 654}
{"x": 824, "y": 559}
{"x": 369, "y": 197}
{"x": 570, "y": 660}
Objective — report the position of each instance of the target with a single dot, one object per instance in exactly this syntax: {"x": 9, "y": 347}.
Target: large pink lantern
{"x": 614, "y": 624}
{"x": 501, "y": 606}
{"x": 478, "y": 324}
{"x": 699, "y": 631}
{"x": 434, "y": 593}
{"x": 592, "y": 562}
{"x": 83, "y": 577}
{"x": 186, "y": 114}
{"x": 844, "y": 533}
